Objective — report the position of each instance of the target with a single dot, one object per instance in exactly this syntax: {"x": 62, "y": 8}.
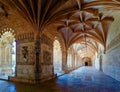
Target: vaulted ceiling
{"x": 78, "y": 21}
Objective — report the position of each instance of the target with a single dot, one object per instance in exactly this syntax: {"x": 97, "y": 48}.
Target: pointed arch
{"x": 57, "y": 56}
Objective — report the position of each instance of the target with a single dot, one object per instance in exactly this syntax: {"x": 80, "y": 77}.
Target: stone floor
{"x": 84, "y": 79}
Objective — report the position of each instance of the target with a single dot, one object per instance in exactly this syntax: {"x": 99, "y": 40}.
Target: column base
{"x": 32, "y": 81}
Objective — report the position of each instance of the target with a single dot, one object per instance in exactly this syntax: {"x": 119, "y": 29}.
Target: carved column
{"x": 10, "y": 55}
{"x": 0, "y": 54}
{"x": 37, "y": 61}
{"x": 3, "y": 56}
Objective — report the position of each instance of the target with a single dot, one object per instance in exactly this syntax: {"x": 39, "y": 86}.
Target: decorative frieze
{"x": 25, "y": 36}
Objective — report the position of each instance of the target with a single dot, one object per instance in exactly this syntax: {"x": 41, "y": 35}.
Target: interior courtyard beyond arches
{"x": 59, "y": 46}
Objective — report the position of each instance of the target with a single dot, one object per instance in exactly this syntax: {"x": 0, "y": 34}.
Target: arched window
{"x": 7, "y": 53}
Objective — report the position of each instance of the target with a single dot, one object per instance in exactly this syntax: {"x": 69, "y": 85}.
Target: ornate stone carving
{"x": 37, "y": 46}
{"x": 25, "y": 36}
{"x": 25, "y": 53}
{"x": 46, "y": 57}
{"x": 46, "y": 40}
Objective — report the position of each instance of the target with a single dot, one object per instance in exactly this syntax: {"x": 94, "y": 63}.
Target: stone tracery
{"x": 7, "y": 52}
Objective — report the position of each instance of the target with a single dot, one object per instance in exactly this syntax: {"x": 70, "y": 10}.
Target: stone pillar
{"x": 3, "y": 56}
{"x": 25, "y": 59}
{"x": 64, "y": 59}
{"x": 10, "y": 55}
{"x": 7, "y": 55}
{"x": 0, "y": 54}
{"x": 100, "y": 60}
{"x": 37, "y": 60}
{"x": 75, "y": 60}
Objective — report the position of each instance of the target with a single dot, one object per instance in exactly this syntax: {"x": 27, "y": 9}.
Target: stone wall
{"x": 52, "y": 32}
{"x": 111, "y": 60}
{"x": 25, "y": 58}
{"x": 46, "y": 57}
{"x": 88, "y": 60}
{"x": 97, "y": 58}
{"x": 95, "y": 62}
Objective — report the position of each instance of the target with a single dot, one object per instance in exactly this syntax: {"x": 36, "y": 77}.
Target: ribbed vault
{"x": 78, "y": 21}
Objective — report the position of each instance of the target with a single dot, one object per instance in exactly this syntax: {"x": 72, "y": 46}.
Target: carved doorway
{"x": 7, "y": 54}
{"x": 86, "y": 63}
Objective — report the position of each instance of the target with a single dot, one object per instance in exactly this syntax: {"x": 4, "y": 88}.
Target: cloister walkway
{"x": 84, "y": 79}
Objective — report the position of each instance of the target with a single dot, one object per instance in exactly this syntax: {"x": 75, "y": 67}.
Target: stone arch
{"x": 57, "y": 55}
{"x": 87, "y": 61}
{"x": 64, "y": 62}
{"x": 52, "y": 34}
{"x": 8, "y": 52}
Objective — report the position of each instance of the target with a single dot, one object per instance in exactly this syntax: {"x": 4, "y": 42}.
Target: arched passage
{"x": 57, "y": 56}
{"x": 7, "y": 53}
{"x": 87, "y": 61}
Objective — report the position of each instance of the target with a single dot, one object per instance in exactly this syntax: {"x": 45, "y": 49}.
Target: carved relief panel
{"x": 46, "y": 57}
{"x": 26, "y": 53}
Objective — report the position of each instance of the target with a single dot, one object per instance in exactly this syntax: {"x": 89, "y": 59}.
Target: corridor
{"x": 84, "y": 79}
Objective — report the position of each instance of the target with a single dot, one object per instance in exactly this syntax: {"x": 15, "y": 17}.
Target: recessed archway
{"x": 87, "y": 61}
{"x": 7, "y": 53}
{"x": 57, "y": 56}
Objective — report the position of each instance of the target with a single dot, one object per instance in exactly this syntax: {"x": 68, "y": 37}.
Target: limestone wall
{"x": 52, "y": 33}
{"x": 97, "y": 59}
{"x": 111, "y": 59}
{"x": 95, "y": 62}
{"x": 111, "y": 63}
{"x": 25, "y": 60}
{"x": 46, "y": 57}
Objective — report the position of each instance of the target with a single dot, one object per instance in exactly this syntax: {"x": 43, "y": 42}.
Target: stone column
{"x": 73, "y": 58}
{"x": 37, "y": 60}
{"x": 7, "y": 56}
{"x": 10, "y": 56}
{"x": 0, "y": 54}
{"x": 3, "y": 55}
{"x": 75, "y": 61}
{"x": 64, "y": 59}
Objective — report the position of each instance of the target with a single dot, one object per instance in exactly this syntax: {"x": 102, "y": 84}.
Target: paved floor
{"x": 84, "y": 79}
